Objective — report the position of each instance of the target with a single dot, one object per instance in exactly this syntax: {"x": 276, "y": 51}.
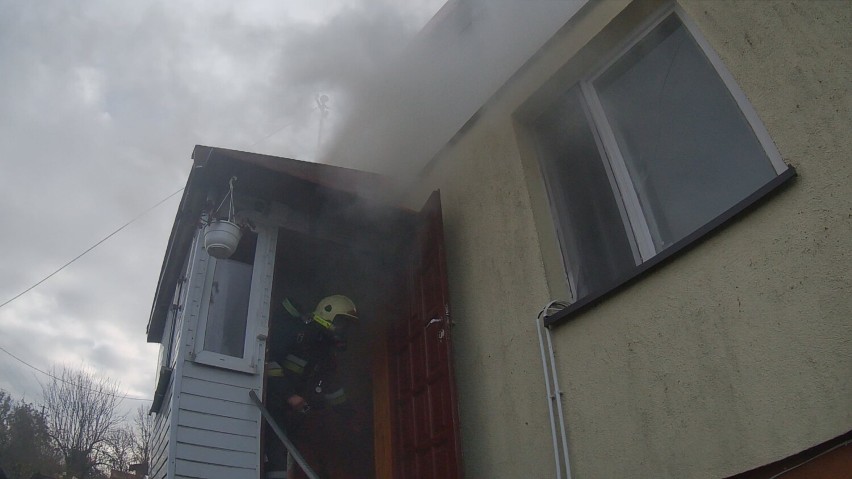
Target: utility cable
{"x": 125, "y": 225}
{"x": 120, "y": 396}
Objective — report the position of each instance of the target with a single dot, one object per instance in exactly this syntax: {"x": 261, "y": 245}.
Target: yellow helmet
{"x": 333, "y": 306}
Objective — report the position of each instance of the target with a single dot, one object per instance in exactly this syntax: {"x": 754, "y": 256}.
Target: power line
{"x": 125, "y": 225}
{"x": 66, "y": 382}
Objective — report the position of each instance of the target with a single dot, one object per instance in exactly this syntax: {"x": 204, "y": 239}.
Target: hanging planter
{"x": 222, "y": 235}
{"x": 221, "y": 238}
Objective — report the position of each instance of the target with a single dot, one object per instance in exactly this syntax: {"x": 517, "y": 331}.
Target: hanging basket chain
{"x": 228, "y": 195}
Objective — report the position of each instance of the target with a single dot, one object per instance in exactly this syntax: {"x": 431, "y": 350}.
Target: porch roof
{"x": 271, "y": 177}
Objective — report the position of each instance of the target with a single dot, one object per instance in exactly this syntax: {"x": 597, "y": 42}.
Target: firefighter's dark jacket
{"x": 305, "y": 352}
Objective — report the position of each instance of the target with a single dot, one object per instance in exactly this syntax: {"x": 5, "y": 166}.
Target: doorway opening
{"x": 365, "y": 261}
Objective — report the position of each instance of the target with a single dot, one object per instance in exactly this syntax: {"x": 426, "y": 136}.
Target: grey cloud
{"x": 102, "y": 104}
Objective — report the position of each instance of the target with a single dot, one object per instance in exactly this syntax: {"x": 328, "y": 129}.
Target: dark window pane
{"x": 228, "y": 310}
{"x": 590, "y": 226}
{"x": 690, "y": 152}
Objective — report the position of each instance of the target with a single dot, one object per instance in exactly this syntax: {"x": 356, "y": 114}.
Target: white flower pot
{"x": 221, "y": 238}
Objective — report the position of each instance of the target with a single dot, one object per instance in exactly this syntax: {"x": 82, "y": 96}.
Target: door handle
{"x": 442, "y": 333}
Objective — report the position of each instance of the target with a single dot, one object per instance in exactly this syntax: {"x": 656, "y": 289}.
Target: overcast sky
{"x": 101, "y": 103}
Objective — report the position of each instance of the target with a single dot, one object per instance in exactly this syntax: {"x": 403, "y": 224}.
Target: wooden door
{"x": 425, "y": 407}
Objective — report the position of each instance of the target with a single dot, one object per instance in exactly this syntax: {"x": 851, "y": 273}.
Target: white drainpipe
{"x": 553, "y": 394}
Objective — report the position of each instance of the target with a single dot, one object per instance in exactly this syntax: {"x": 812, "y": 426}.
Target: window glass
{"x": 643, "y": 153}
{"x": 591, "y": 230}
{"x": 227, "y": 312}
{"x": 690, "y": 152}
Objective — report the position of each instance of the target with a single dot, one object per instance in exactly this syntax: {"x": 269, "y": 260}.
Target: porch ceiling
{"x": 308, "y": 186}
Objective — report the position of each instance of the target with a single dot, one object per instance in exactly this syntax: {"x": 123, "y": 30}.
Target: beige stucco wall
{"x": 733, "y": 355}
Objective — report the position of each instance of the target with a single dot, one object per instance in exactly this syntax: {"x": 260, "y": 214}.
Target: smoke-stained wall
{"x": 735, "y": 354}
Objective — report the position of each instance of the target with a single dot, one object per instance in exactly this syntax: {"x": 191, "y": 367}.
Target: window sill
{"x": 222, "y": 361}
{"x": 689, "y": 241}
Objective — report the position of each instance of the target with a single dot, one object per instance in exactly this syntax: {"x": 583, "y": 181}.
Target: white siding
{"x": 208, "y": 427}
{"x": 160, "y": 438}
{"x": 174, "y": 344}
{"x": 217, "y": 433}
{"x": 203, "y": 470}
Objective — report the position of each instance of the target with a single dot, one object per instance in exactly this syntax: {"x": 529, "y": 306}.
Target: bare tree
{"x": 120, "y": 445}
{"x": 81, "y": 412}
{"x": 144, "y": 423}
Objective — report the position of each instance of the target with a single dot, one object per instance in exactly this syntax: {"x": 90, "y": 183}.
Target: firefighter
{"x": 304, "y": 383}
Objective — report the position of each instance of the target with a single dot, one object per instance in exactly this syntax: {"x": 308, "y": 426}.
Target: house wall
{"x": 162, "y": 444}
{"x": 207, "y": 426}
{"x": 216, "y": 434}
{"x": 735, "y": 354}
{"x": 160, "y": 438}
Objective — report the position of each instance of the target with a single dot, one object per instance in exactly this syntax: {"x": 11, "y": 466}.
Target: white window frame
{"x": 258, "y": 309}
{"x": 621, "y": 182}
{"x": 645, "y": 252}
